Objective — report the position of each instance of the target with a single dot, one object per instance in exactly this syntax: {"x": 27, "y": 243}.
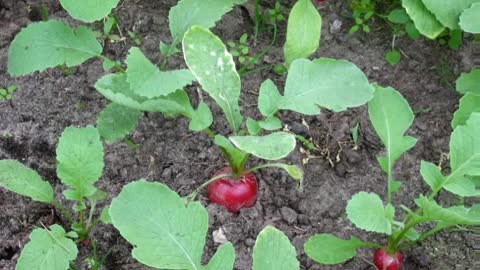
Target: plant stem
{"x": 210, "y": 133}
{"x": 421, "y": 238}
{"x": 82, "y": 218}
{"x": 262, "y": 53}
{"x": 256, "y": 12}
{"x": 90, "y": 215}
{"x": 244, "y": 74}
{"x": 392, "y": 245}
{"x": 115, "y": 64}
{"x": 194, "y": 194}
{"x": 63, "y": 211}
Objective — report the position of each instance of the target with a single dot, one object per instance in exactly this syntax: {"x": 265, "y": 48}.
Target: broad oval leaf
{"x": 424, "y": 20}
{"x": 448, "y": 12}
{"x": 47, "y": 249}
{"x": 367, "y": 212}
{"x": 48, "y": 44}
{"x": 210, "y": 62}
{"x": 328, "y": 249}
{"x": 80, "y": 159}
{"x": 165, "y": 233}
{"x": 16, "y": 177}
{"x": 147, "y": 80}
{"x": 431, "y": 175}
{"x": 202, "y": 118}
{"x": 333, "y": 84}
{"x": 271, "y": 147}
{"x": 469, "y": 82}
{"x": 456, "y": 215}
{"x": 89, "y": 10}
{"x": 303, "y": 31}
{"x": 469, "y": 20}
{"x": 469, "y": 104}
{"x": 273, "y": 251}
{"x": 117, "y": 121}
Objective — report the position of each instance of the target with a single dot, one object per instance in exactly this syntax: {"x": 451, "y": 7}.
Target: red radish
{"x": 383, "y": 261}
{"x": 233, "y": 194}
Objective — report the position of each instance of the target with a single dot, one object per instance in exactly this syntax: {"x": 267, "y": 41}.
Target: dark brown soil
{"x": 48, "y": 102}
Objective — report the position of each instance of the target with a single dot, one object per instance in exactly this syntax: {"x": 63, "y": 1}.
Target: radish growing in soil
{"x": 391, "y": 116}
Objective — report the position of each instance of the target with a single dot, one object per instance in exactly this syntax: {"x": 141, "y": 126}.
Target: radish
{"x": 233, "y": 194}
{"x": 384, "y": 261}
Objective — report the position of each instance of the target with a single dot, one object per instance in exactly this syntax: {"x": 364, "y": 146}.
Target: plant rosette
{"x": 233, "y": 193}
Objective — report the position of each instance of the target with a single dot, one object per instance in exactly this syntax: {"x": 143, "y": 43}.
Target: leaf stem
{"x": 258, "y": 17}
{"x": 63, "y": 211}
{"x": 194, "y": 193}
{"x": 421, "y": 238}
{"x": 93, "y": 204}
{"x": 118, "y": 67}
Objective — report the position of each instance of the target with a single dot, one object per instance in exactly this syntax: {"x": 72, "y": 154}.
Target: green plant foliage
{"x": 48, "y": 44}
{"x": 202, "y": 118}
{"x": 469, "y": 82}
{"x": 208, "y": 59}
{"x": 273, "y": 251}
{"x": 165, "y": 233}
{"x": 80, "y": 161}
{"x": 393, "y": 57}
{"x": 424, "y": 20}
{"x": 232, "y": 153}
{"x": 270, "y": 147}
{"x": 332, "y": 84}
{"x": 455, "y": 215}
{"x": 448, "y": 12}
{"x": 328, "y": 249}
{"x": 432, "y": 175}
{"x": 303, "y": 31}
{"x": 147, "y": 80}
{"x": 188, "y": 13}
{"x": 469, "y": 104}
{"x": 47, "y": 249}
{"x": 89, "y": 10}
{"x": 367, "y": 212}
{"x": 398, "y": 15}
{"x": 117, "y": 121}
{"x": 15, "y": 177}
{"x": 469, "y": 20}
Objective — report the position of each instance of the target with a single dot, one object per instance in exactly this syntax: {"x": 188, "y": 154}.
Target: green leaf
{"x": 424, "y": 20}
{"x": 328, "y": 249}
{"x": 391, "y": 116}
{"x": 469, "y": 21}
{"x": 15, "y": 177}
{"x": 270, "y": 147}
{"x": 109, "y": 25}
{"x": 271, "y": 123}
{"x": 432, "y": 175}
{"x": 455, "y": 39}
{"x": 11, "y": 89}
{"x": 208, "y": 59}
{"x": 202, "y": 118}
{"x": 105, "y": 216}
{"x": 448, "y": 12}
{"x": 89, "y": 10}
{"x": 253, "y": 127}
{"x": 469, "y": 104}
{"x": 165, "y": 232}
{"x": 80, "y": 160}
{"x": 333, "y": 84}
{"x": 273, "y": 251}
{"x": 223, "y": 259}
{"x": 412, "y": 31}
{"x": 393, "y": 57}
{"x": 456, "y": 215}
{"x": 48, "y": 44}
{"x": 367, "y": 212}
{"x": 464, "y": 158}
{"x": 303, "y": 31}
{"x": 46, "y": 249}
{"x": 234, "y": 155}
{"x": 398, "y": 15}
{"x": 117, "y": 121}
{"x": 3, "y": 92}
{"x": 188, "y": 13}
{"x": 469, "y": 82}
{"x": 147, "y": 80}
{"x": 116, "y": 88}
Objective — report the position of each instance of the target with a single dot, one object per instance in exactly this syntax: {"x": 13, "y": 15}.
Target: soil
{"x": 168, "y": 152}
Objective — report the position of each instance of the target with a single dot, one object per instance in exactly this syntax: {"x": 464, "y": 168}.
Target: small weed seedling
{"x": 391, "y": 117}
{"x": 7, "y": 94}
{"x": 79, "y": 166}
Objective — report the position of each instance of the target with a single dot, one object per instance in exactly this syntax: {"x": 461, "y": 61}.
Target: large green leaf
{"x": 391, "y": 116}
{"x": 431, "y": 175}
{"x": 448, "y": 12}
{"x": 15, "y": 177}
{"x": 48, "y": 44}
{"x": 303, "y": 31}
{"x": 213, "y": 66}
{"x": 204, "y": 13}
{"x": 333, "y": 84}
{"x": 469, "y": 20}
{"x": 469, "y": 82}
{"x": 328, "y": 249}
{"x": 164, "y": 232}
{"x": 89, "y": 10}
{"x": 147, "y": 80}
{"x": 469, "y": 104}
{"x": 273, "y": 251}
{"x": 80, "y": 160}
{"x": 464, "y": 158}
{"x": 367, "y": 212}
{"x": 47, "y": 250}
{"x": 271, "y": 147}
{"x": 456, "y": 215}
{"x": 424, "y": 20}
{"x": 117, "y": 121}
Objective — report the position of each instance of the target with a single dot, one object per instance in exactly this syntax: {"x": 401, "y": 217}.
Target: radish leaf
{"x": 424, "y": 20}
{"x": 469, "y": 21}
{"x": 89, "y": 10}
{"x": 469, "y": 104}
{"x": 448, "y": 12}
{"x": 469, "y": 82}
{"x": 270, "y": 147}
{"x": 367, "y": 212}
{"x": 117, "y": 121}
{"x": 328, "y": 249}
{"x": 273, "y": 251}
{"x": 456, "y": 215}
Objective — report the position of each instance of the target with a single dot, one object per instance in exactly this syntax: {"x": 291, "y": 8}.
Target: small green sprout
{"x": 7, "y": 94}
